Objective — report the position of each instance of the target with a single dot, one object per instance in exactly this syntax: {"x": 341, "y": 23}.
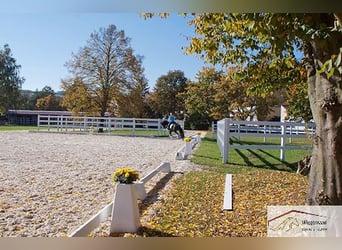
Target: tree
{"x": 297, "y": 98}
{"x": 104, "y": 65}
{"x": 50, "y": 102}
{"x": 298, "y": 102}
{"x": 166, "y": 92}
{"x": 219, "y": 94}
{"x": 254, "y": 40}
{"x": 46, "y": 99}
{"x": 10, "y": 80}
{"x": 132, "y": 101}
{"x": 39, "y": 99}
{"x": 199, "y": 98}
{"x": 77, "y": 97}
{"x": 232, "y": 98}
{"x": 25, "y": 101}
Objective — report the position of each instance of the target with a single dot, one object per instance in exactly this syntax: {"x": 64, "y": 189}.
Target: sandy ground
{"x": 50, "y": 184}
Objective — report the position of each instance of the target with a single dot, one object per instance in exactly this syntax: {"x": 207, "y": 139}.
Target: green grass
{"x": 113, "y": 132}
{"x": 244, "y": 160}
{"x": 14, "y": 128}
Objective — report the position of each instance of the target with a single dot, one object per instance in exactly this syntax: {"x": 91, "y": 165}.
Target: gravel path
{"x": 50, "y": 184}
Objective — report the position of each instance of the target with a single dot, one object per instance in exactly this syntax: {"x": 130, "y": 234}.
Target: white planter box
{"x": 125, "y": 212}
{"x": 188, "y": 148}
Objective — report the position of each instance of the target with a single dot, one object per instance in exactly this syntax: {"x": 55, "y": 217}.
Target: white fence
{"x": 228, "y": 128}
{"x": 186, "y": 150}
{"x": 107, "y": 124}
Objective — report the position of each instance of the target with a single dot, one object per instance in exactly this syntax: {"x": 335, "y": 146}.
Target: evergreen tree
{"x": 10, "y": 81}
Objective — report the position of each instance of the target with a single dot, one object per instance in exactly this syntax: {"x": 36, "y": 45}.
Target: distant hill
{"x": 30, "y": 93}
{"x": 27, "y": 92}
{"x": 60, "y": 93}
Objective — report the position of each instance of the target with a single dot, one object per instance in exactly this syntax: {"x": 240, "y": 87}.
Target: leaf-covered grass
{"x": 193, "y": 206}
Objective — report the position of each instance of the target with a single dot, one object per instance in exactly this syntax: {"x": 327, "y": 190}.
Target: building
{"x": 30, "y": 117}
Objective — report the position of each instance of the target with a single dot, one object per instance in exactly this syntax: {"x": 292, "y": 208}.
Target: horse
{"x": 173, "y": 127}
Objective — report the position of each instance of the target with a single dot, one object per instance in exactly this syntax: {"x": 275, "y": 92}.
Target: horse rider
{"x": 171, "y": 120}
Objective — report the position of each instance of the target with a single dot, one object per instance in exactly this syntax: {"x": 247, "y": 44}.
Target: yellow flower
{"x": 125, "y": 175}
{"x": 187, "y": 139}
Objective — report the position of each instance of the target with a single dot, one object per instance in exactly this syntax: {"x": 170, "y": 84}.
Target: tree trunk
{"x": 325, "y": 178}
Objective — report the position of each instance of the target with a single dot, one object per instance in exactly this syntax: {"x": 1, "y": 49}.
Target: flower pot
{"x": 188, "y": 148}
{"x": 125, "y": 212}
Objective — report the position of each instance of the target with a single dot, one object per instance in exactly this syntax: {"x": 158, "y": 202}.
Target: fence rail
{"x": 107, "y": 124}
{"x": 227, "y": 128}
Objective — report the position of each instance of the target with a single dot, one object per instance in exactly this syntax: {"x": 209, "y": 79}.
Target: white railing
{"x": 107, "y": 124}
{"x": 101, "y": 216}
{"x": 228, "y": 128}
{"x": 186, "y": 150}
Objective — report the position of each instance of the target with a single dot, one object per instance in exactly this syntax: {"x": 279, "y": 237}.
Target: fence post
{"x": 282, "y": 141}
{"x": 49, "y": 123}
{"x": 264, "y": 133}
{"x": 109, "y": 127}
{"x": 58, "y": 123}
{"x": 159, "y": 128}
{"x": 62, "y": 124}
{"x": 84, "y": 124}
{"x": 133, "y": 120}
{"x": 38, "y": 122}
{"x": 226, "y": 140}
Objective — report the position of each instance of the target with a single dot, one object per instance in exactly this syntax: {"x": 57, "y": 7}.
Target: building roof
{"x": 38, "y": 112}
{"x": 46, "y": 112}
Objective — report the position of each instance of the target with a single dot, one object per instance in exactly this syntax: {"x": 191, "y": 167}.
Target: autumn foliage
{"x": 193, "y": 208}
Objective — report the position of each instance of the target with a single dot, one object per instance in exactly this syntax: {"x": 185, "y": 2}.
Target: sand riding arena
{"x": 52, "y": 183}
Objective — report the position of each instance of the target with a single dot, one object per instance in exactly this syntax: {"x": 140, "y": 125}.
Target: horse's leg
{"x": 181, "y": 131}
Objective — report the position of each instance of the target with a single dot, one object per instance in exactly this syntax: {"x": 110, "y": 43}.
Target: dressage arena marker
{"x": 186, "y": 150}
{"x": 228, "y": 194}
{"x": 106, "y": 212}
